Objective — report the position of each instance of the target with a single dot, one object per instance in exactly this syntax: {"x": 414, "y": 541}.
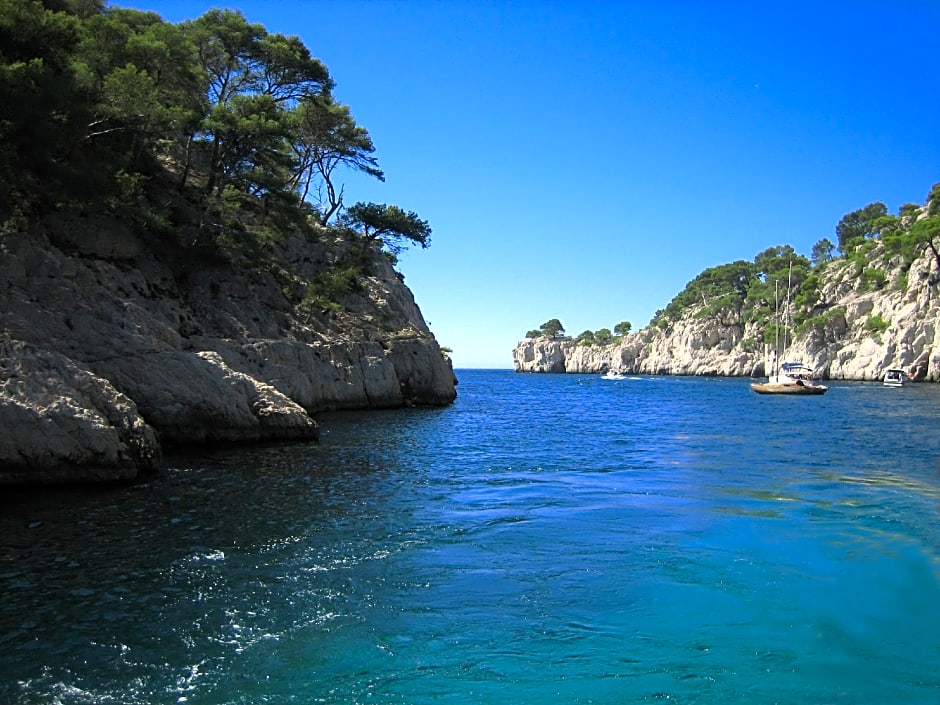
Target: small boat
{"x": 612, "y": 374}
{"x": 895, "y": 378}
{"x": 795, "y": 378}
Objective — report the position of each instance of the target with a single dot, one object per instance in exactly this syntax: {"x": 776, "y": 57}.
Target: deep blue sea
{"x": 547, "y": 539}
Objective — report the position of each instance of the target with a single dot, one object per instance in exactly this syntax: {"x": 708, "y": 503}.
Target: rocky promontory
{"x": 113, "y": 345}
{"x": 180, "y": 260}
{"x": 868, "y": 312}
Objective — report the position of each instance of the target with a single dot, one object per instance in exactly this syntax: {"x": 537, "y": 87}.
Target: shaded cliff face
{"x": 842, "y": 344}
{"x": 110, "y": 346}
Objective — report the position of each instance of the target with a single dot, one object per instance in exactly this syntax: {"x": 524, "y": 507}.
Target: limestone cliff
{"x": 841, "y": 343}
{"x": 112, "y": 344}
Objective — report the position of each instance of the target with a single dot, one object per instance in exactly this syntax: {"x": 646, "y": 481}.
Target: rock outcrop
{"x": 111, "y": 346}
{"x": 842, "y": 343}
{"x": 61, "y": 421}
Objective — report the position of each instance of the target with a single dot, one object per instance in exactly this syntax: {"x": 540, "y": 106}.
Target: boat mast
{"x": 776, "y": 327}
{"x": 786, "y": 312}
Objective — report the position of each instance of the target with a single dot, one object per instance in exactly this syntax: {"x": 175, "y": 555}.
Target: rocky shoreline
{"x": 844, "y": 348}
{"x": 110, "y": 351}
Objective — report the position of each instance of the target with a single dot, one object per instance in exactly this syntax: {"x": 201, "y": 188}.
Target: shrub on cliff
{"x": 876, "y": 325}
{"x": 586, "y": 338}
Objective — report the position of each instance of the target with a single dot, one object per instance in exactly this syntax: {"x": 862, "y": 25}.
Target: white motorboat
{"x": 895, "y": 377}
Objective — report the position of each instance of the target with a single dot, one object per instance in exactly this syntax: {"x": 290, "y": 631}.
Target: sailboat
{"x": 788, "y": 377}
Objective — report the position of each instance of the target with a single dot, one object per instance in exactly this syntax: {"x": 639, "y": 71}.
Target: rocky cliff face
{"x": 111, "y": 346}
{"x": 841, "y": 344}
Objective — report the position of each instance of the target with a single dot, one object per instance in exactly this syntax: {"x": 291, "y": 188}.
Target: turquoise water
{"x": 548, "y": 539}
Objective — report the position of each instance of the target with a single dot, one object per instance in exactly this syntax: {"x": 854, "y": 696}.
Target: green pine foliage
{"x": 876, "y": 248}
{"x": 214, "y": 127}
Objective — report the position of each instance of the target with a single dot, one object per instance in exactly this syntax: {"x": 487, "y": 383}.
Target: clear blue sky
{"x": 585, "y": 160}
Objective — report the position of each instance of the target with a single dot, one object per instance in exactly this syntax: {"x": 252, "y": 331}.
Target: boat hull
{"x": 791, "y": 388}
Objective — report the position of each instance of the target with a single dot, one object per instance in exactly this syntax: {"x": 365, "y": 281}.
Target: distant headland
{"x": 868, "y": 302}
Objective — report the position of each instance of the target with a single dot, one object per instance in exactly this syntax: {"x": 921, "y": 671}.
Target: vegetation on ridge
{"x": 744, "y": 292}
{"x": 554, "y": 329}
{"x": 751, "y": 292}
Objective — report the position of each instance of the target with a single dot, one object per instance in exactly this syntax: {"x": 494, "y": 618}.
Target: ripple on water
{"x": 546, "y": 539}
